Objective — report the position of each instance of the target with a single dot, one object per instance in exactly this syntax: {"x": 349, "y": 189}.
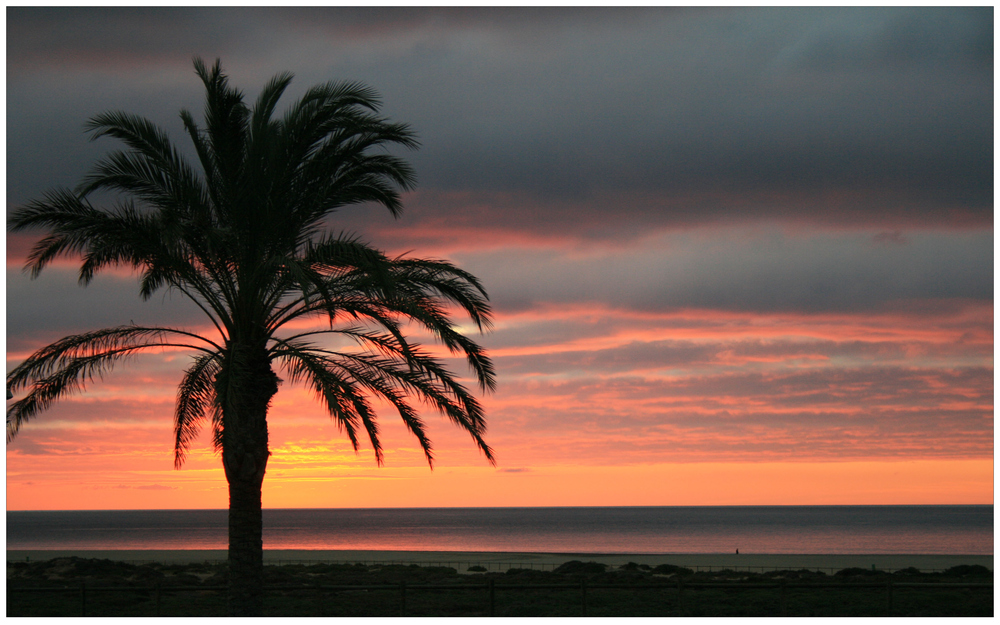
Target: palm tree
{"x": 244, "y": 237}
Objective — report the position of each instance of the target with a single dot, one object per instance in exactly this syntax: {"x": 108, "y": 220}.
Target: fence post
{"x": 583, "y": 595}
{"x": 492, "y": 597}
{"x": 402, "y": 598}
{"x": 83, "y": 599}
{"x": 157, "y": 600}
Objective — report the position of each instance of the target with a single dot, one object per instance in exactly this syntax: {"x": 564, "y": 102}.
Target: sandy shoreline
{"x": 504, "y": 560}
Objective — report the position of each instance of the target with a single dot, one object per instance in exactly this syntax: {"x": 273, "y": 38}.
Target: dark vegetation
{"x": 108, "y": 588}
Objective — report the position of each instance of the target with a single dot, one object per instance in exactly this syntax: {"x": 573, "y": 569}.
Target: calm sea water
{"x": 650, "y": 530}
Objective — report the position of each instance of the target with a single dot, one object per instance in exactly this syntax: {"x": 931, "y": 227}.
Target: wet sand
{"x": 503, "y": 560}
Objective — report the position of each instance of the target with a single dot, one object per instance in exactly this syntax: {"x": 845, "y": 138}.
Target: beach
{"x": 505, "y": 560}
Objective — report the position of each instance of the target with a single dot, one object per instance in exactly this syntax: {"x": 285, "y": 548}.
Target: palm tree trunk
{"x": 246, "y": 549}
{"x": 249, "y": 389}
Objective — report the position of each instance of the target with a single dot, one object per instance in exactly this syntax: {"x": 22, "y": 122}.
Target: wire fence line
{"x": 491, "y": 588}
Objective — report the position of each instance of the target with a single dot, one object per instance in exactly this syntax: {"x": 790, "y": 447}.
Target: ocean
{"x": 964, "y": 530}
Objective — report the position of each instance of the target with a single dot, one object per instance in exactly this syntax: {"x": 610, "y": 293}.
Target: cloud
{"x": 740, "y": 269}
{"x": 681, "y": 106}
{"x": 707, "y": 112}
{"x": 889, "y": 40}
{"x": 638, "y": 357}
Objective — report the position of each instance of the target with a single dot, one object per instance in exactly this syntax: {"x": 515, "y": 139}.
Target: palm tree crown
{"x": 244, "y": 236}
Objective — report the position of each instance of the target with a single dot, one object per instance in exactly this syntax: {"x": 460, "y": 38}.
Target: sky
{"x": 736, "y": 256}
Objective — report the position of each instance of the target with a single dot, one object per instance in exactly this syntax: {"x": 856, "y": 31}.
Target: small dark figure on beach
{"x": 737, "y": 552}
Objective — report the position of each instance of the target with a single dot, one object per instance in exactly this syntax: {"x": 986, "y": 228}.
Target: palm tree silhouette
{"x": 245, "y": 239}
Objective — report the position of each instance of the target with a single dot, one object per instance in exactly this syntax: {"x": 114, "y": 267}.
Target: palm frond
{"x": 391, "y": 378}
{"x": 263, "y": 110}
{"x": 153, "y": 169}
{"x": 327, "y": 132}
{"x": 336, "y": 393}
{"x": 195, "y": 400}
{"x": 226, "y": 119}
{"x": 65, "y": 366}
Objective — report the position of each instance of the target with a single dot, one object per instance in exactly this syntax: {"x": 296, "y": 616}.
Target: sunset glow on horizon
{"x": 754, "y": 285}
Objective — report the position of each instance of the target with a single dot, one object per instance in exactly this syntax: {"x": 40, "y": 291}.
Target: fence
{"x": 490, "y": 588}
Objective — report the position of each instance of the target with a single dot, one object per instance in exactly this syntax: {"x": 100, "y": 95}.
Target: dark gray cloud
{"x": 768, "y": 270}
{"x": 665, "y": 355}
{"x": 825, "y": 115}
{"x": 722, "y": 103}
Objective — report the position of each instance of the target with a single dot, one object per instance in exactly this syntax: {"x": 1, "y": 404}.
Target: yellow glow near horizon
{"x": 906, "y": 482}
